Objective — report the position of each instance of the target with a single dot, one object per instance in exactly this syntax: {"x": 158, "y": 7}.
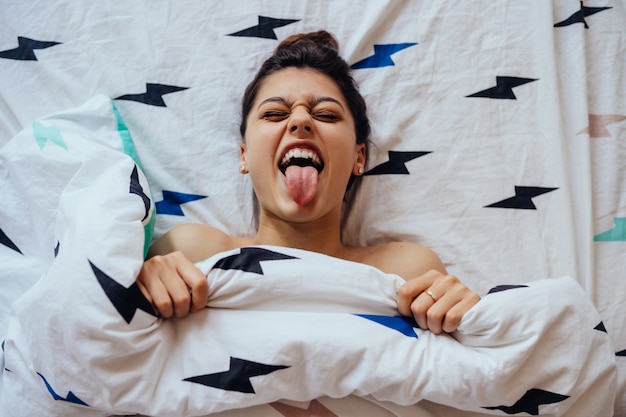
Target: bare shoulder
{"x": 196, "y": 241}
{"x": 405, "y": 259}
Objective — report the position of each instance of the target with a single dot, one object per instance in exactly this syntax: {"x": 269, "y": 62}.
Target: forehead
{"x": 299, "y": 84}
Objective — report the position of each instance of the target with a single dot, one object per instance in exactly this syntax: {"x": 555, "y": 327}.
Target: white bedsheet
{"x": 507, "y": 122}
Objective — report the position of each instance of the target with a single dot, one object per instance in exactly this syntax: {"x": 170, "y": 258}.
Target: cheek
{"x": 344, "y": 142}
{"x": 260, "y": 149}
{"x": 264, "y": 132}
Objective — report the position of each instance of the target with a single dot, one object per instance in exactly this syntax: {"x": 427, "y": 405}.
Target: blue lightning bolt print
{"x": 382, "y": 56}
{"x": 172, "y": 201}
{"x": 70, "y": 398}
{"x": 403, "y": 325}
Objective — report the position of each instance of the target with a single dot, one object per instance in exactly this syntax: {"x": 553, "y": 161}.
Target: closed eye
{"x": 275, "y": 116}
{"x": 325, "y": 116}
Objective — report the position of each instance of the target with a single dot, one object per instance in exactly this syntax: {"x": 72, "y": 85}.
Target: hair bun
{"x": 320, "y": 38}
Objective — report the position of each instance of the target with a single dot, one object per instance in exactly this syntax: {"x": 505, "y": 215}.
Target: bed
{"x": 499, "y": 134}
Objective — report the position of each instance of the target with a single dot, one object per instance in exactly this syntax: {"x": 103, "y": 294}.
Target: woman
{"x": 305, "y": 133}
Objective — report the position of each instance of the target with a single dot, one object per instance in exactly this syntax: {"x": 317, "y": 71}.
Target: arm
{"x": 195, "y": 241}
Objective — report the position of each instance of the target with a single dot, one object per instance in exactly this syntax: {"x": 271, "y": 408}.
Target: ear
{"x": 359, "y": 163}
{"x": 242, "y": 152}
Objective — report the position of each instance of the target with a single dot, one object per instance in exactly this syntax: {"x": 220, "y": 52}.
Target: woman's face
{"x": 300, "y": 145}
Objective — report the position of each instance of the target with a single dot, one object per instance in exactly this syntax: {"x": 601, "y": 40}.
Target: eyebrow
{"x": 313, "y": 102}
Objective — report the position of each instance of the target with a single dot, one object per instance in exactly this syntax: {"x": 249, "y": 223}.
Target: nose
{"x": 300, "y": 121}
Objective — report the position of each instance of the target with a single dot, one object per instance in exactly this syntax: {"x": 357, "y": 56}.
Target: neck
{"x": 319, "y": 236}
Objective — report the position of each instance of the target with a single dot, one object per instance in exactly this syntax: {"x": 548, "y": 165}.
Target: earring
{"x": 243, "y": 169}
{"x": 360, "y": 170}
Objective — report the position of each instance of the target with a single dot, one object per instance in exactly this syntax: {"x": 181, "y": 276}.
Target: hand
{"x": 173, "y": 284}
{"x": 436, "y": 301}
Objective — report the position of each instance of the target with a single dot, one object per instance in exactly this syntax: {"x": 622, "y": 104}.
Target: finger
{"x": 448, "y": 310}
{"x": 436, "y": 314}
{"x": 419, "y": 309}
{"x": 179, "y": 294}
{"x": 447, "y": 292}
{"x": 161, "y": 299}
{"x": 149, "y": 281}
{"x": 144, "y": 291}
{"x": 405, "y": 299}
{"x": 197, "y": 284}
{"x": 411, "y": 289}
{"x": 455, "y": 314}
{"x": 148, "y": 297}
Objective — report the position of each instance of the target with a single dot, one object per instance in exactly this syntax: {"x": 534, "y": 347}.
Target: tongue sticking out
{"x": 302, "y": 183}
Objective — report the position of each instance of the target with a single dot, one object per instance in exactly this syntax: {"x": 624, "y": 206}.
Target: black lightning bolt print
{"x": 249, "y": 260}
{"x": 579, "y": 16}
{"x": 125, "y": 300}
{"x": 136, "y": 188}
{"x": 6, "y": 369}
{"x": 26, "y": 49}
{"x": 4, "y": 240}
{"x": 504, "y": 88}
{"x": 500, "y": 288}
{"x": 600, "y": 327}
{"x": 396, "y": 163}
{"x": 237, "y": 378}
{"x": 523, "y": 198}
{"x": 621, "y": 353}
{"x": 153, "y": 95}
{"x": 530, "y": 402}
{"x": 265, "y": 28}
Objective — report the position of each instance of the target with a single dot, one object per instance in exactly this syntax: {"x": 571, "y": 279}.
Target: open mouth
{"x": 301, "y": 158}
